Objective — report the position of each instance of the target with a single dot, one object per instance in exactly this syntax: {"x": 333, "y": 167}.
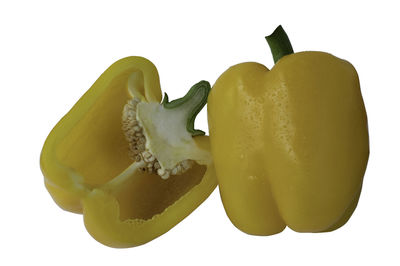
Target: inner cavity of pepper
{"x": 147, "y": 195}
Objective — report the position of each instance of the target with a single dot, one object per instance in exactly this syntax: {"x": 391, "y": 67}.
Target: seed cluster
{"x": 137, "y": 144}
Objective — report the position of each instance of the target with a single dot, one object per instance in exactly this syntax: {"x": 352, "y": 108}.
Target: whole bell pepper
{"x": 290, "y": 144}
{"x": 134, "y": 167}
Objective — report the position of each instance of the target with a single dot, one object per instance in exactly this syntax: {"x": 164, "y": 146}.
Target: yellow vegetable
{"x": 290, "y": 145}
{"x": 127, "y": 162}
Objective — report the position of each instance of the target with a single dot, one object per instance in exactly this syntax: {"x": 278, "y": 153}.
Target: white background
{"x": 51, "y": 53}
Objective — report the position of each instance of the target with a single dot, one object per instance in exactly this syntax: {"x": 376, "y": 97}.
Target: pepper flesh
{"x": 290, "y": 145}
{"x": 87, "y": 169}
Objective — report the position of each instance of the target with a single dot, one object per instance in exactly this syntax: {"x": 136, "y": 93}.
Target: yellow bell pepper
{"x": 130, "y": 164}
{"x": 290, "y": 144}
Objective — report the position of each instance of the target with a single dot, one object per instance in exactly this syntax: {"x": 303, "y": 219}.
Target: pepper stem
{"x": 192, "y": 102}
{"x": 279, "y": 44}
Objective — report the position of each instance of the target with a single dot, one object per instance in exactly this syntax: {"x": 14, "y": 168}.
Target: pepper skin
{"x": 86, "y": 168}
{"x": 290, "y": 145}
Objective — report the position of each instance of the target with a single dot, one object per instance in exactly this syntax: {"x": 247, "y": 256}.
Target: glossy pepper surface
{"x": 134, "y": 167}
{"x": 290, "y": 144}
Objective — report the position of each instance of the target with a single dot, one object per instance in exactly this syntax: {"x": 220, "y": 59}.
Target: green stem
{"x": 192, "y": 102}
{"x": 279, "y": 44}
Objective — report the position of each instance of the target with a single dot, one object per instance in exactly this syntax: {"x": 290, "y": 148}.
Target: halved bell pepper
{"x": 134, "y": 167}
{"x": 290, "y": 145}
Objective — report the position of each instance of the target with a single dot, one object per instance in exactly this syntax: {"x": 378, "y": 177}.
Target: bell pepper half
{"x": 134, "y": 167}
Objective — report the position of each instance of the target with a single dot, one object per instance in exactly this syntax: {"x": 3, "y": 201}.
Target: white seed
{"x": 146, "y": 154}
{"x": 131, "y": 117}
{"x": 179, "y": 168}
{"x": 149, "y": 159}
{"x": 129, "y": 124}
{"x": 161, "y": 171}
{"x": 165, "y": 176}
{"x": 174, "y": 171}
